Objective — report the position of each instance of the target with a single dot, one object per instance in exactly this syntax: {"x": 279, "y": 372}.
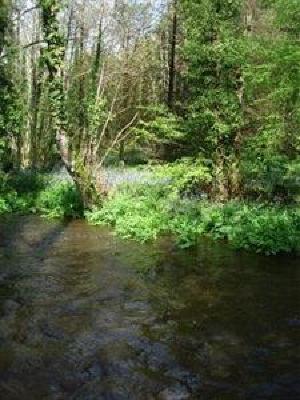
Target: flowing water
{"x": 87, "y": 316}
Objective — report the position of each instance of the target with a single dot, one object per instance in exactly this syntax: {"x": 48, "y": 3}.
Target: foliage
{"x": 145, "y": 212}
{"x": 37, "y": 193}
{"x": 140, "y": 217}
{"x": 231, "y": 133}
{"x": 214, "y": 53}
{"x": 271, "y": 176}
{"x": 188, "y": 175}
{"x": 17, "y": 192}
{"x": 159, "y": 125}
{"x": 263, "y": 228}
{"x": 25, "y": 182}
{"x": 244, "y": 100}
{"x": 60, "y": 200}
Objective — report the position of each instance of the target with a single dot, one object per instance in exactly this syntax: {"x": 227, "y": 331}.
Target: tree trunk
{"x": 249, "y": 16}
{"x": 97, "y": 61}
{"x": 55, "y": 54}
{"x": 36, "y": 76}
{"x": 221, "y": 181}
{"x": 122, "y": 153}
{"x": 172, "y": 57}
{"x": 81, "y": 92}
{"x": 3, "y": 23}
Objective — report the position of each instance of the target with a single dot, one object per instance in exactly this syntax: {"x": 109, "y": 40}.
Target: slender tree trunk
{"x": 4, "y": 12}
{"x": 35, "y": 99}
{"x": 221, "y": 180}
{"x": 249, "y": 16}
{"x": 122, "y": 153}
{"x": 20, "y": 74}
{"x": 34, "y": 112}
{"x": 81, "y": 92}
{"x": 172, "y": 57}
{"x": 69, "y": 32}
{"x": 96, "y": 66}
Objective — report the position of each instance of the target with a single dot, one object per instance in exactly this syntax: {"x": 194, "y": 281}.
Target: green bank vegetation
{"x": 39, "y": 193}
{"x": 145, "y": 212}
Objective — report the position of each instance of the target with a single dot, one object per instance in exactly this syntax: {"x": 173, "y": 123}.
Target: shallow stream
{"x": 87, "y": 316}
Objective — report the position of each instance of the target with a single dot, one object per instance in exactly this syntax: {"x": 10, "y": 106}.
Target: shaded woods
{"x": 208, "y": 89}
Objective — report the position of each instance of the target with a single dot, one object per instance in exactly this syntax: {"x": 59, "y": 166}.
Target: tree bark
{"x": 36, "y": 76}
{"x": 172, "y": 57}
{"x": 96, "y": 65}
{"x": 54, "y": 60}
{"x": 81, "y": 91}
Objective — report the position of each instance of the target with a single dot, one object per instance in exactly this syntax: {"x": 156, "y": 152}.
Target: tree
{"x": 172, "y": 57}
{"x": 215, "y": 57}
{"x": 4, "y": 84}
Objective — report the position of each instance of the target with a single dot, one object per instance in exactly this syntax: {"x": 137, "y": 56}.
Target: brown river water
{"x": 87, "y": 316}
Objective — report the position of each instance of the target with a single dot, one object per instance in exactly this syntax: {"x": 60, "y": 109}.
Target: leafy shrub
{"x": 32, "y": 192}
{"x": 135, "y": 213}
{"x": 269, "y": 230}
{"x": 19, "y": 191}
{"x": 27, "y": 182}
{"x": 266, "y": 171}
{"x": 11, "y": 202}
{"x": 144, "y": 212}
{"x": 159, "y": 126}
{"x": 4, "y": 206}
{"x": 188, "y": 175}
{"x": 60, "y": 199}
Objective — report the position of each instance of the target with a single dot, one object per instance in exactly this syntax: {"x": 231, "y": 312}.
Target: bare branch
{"x": 108, "y": 117}
{"x": 26, "y": 46}
{"x": 118, "y": 139}
{"x": 28, "y": 10}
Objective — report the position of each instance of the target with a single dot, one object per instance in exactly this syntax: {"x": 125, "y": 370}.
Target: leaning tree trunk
{"x": 53, "y": 57}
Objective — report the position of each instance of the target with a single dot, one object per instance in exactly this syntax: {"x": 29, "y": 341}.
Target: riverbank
{"x": 49, "y": 195}
{"x": 146, "y": 211}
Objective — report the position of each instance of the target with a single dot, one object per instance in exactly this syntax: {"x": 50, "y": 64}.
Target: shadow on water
{"x": 20, "y": 247}
{"x": 85, "y": 315}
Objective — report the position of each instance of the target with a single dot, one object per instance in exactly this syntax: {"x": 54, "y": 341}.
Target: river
{"x": 85, "y": 315}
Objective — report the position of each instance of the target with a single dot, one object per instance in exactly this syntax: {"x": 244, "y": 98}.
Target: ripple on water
{"x": 84, "y": 315}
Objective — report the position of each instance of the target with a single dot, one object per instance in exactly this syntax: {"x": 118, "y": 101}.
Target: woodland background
{"x": 207, "y": 88}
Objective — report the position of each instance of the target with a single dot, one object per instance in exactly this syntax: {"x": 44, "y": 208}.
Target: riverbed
{"x": 85, "y": 315}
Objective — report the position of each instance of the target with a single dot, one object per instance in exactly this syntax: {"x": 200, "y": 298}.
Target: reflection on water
{"x": 84, "y": 315}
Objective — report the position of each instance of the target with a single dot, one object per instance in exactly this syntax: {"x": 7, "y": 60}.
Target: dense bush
{"x": 17, "y": 192}
{"x": 135, "y": 213}
{"x": 60, "y": 199}
{"x": 27, "y": 182}
{"x": 268, "y": 174}
{"x": 37, "y": 193}
{"x": 144, "y": 212}
{"x": 186, "y": 176}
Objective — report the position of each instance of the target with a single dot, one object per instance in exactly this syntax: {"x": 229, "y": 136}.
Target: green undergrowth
{"x": 147, "y": 211}
{"x": 39, "y": 194}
